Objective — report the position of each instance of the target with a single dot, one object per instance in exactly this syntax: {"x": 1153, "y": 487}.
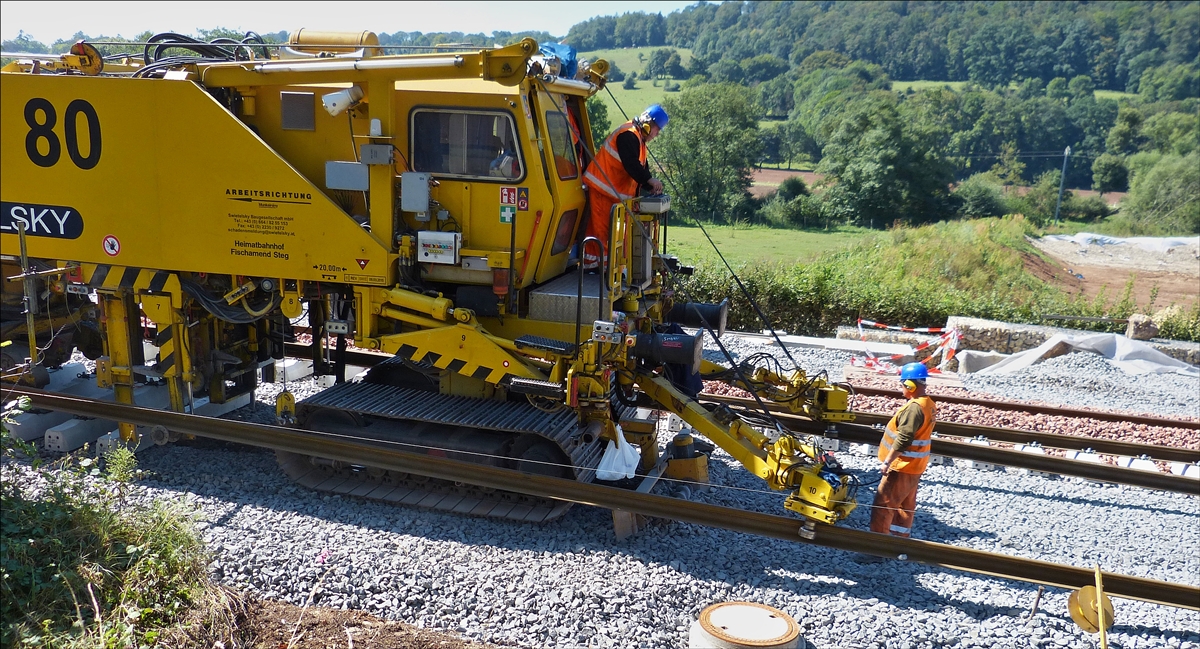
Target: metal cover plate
{"x": 555, "y": 301}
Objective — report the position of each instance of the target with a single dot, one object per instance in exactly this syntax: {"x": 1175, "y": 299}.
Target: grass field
{"x": 1114, "y": 94}
{"x": 919, "y": 85}
{"x": 753, "y": 244}
{"x": 633, "y": 101}
{"x": 957, "y": 86}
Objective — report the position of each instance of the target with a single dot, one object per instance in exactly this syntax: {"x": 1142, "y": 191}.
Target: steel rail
{"x": 364, "y": 358}
{"x": 1052, "y": 440}
{"x": 361, "y": 452}
{"x": 1040, "y": 410}
{"x": 860, "y": 434}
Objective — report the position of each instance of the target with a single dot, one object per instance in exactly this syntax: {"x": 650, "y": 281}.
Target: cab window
{"x": 466, "y": 144}
{"x": 561, "y": 145}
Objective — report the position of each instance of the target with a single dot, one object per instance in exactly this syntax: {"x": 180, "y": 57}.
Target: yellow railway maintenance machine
{"x": 204, "y": 196}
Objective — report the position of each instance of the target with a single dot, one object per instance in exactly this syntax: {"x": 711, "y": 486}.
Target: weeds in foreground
{"x": 82, "y": 565}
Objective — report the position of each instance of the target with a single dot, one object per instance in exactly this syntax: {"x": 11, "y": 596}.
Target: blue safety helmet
{"x": 914, "y": 372}
{"x": 657, "y": 115}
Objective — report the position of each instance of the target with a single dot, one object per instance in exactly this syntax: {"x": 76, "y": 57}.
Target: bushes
{"x": 914, "y": 277}
{"x": 1165, "y": 198}
{"x": 979, "y": 196}
{"x": 82, "y": 566}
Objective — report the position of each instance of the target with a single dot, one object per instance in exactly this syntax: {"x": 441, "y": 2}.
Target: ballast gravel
{"x": 570, "y": 583}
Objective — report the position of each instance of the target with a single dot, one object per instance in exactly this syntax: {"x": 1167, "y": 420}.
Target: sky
{"x": 50, "y": 21}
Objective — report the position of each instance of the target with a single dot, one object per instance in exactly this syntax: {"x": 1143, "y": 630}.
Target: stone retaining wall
{"x": 1007, "y": 338}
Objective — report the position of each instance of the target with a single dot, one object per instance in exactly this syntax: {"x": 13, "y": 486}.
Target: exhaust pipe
{"x": 696, "y": 314}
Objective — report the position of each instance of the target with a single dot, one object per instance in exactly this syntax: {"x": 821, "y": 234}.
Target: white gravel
{"x": 1085, "y": 379}
{"x": 569, "y": 583}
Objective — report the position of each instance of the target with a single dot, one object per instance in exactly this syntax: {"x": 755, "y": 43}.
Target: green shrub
{"x": 81, "y": 566}
{"x": 791, "y": 187}
{"x": 915, "y": 277}
{"x": 980, "y": 197}
{"x": 1089, "y": 209}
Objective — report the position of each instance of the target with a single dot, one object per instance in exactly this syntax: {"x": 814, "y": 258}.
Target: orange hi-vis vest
{"x": 607, "y": 175}
{"x": 915, "y": 458}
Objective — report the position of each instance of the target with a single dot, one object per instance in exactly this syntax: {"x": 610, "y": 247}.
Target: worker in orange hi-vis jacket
{"x": 904, "y": 452}
{"x": 617, "y": 174}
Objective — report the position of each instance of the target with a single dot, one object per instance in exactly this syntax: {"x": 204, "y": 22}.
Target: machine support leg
{"x": 117, "y": 315}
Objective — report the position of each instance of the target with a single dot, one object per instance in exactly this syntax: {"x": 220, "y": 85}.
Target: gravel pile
{"x": 569, "y": 583}
{"x": 1084, "y": 379}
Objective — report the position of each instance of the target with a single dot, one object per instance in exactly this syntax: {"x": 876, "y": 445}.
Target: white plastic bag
{"x": 620, "y": 459}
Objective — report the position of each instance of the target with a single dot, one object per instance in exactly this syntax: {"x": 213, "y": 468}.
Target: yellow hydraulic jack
{"x": 685, "y": 464}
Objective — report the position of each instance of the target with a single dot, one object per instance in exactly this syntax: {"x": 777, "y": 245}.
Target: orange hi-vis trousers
{"x": 895, "y": 504}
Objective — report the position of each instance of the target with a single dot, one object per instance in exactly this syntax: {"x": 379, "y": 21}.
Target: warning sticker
{"x": 362, "y": 263}
{"x": 508, "y": 195}
{"x": 523, "y": 199}
{"x": 507, "y": 213}
{"x": 112, "y": 246}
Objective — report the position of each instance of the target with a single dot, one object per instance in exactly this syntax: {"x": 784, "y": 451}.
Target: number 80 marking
{"x": 44, "y": 130}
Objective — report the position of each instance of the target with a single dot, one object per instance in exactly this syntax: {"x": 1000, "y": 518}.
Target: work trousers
{"x": 895, "y": 504}
{"x": 599, "y": 213}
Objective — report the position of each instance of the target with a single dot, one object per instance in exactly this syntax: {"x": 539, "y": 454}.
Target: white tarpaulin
{"x": 1133, "y": 356}
{"x": 1153, "y": 244}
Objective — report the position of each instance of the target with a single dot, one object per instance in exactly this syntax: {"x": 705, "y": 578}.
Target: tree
{"x": 656, "y": 66}
{"x": 822, "y": 60}
{"x": 675, "y": 68}
{"x": 879, "y": 173}
{"x": 1040, "y": 201}
{"x": 630, "y": 81}
{"x": 763, "y": 67}
{"x": 597, "y": 112}
{"x": 771, "y": 145}
{"x": 1058, "y": 89}
{"x": 709, "y": 148}
{"x": 1166, "y": 199}
{"x": 1109, "y": 174}
{"x": 1008, "y": 169}
{"x": 1081, "y": 87}
{"x": 792, "y": 187}
{"x": 1124, "y": 138}
{"x": 25, "y": 43}
{"x": 776, "y": 96}
{"x": 1177, "y": 133}
{"x": 798, "y": 144}
{"x": 726, "y": 71}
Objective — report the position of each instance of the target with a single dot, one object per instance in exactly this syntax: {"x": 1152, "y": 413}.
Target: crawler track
{"x": 357, "y": 451}
{"x": 497, "y": 433}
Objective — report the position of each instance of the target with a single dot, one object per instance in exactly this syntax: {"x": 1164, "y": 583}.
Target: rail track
{"x": 1043, "y": 410}
{"x": 367, "y": 452}
{"x": 861, "y": 433}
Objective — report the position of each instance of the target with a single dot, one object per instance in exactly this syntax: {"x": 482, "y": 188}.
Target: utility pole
{"x": 1061, "y": 182}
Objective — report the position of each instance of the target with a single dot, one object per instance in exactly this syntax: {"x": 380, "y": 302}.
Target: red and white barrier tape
{"x": 919, "y": 330}
{"x": 946, "y": 347}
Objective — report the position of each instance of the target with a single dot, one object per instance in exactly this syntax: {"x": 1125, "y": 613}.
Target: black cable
{"x": 223, "y": 311}
{"x": 704, "y": 321}
{"x": 737, "y": 279}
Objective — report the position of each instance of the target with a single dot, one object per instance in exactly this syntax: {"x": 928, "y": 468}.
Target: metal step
{"x": 537, "y": 388}
{"x": 545, "y": 344}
